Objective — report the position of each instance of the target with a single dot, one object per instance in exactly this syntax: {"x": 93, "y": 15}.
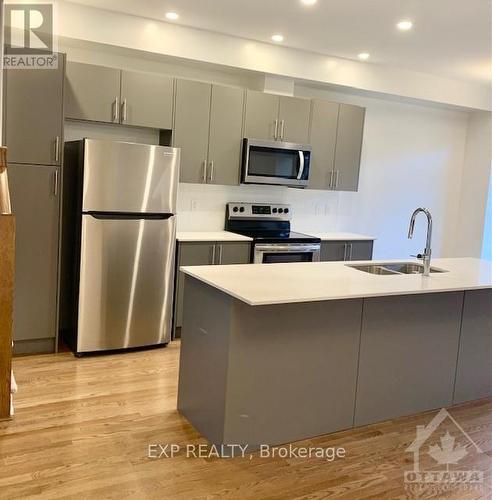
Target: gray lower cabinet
{"x": 226, "y": 123}
{"x": 474, "y": 371}
{"x": 261, "y": 116}
{"x": 323, "y": 137}
{"x": 92, "y": 92}
{"x": 348, "y": 147}
{"x": 202, "y": 254}
{"x": 346, "y": 250}
{"x": 293, "y": 115}
{"x": 35, "y": 204}
{"x": 408, "y": 352}
{"x": 34, "y": 114}
{"x": 191, "y": 128}
{"x": 147, "y": 99}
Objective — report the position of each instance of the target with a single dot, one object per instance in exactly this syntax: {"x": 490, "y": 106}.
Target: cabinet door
{"x": 190, "y": 254}
{"x": 323, "y": 136}
{"x": 294, "y": 115}
{"x": 360, "y": 250}
{"x": 92, "y": 92}
{"x": 261, "y": 115}
{"x": 233, "y": 253}
{"x": 474, "y": 370}
{"x": 191, "y": 128}
{"x": 36, "y": 208}
{"x": 34, "y": 114}
{"x": 226, "y": 121}
{"x": 349, "y": 147}
{"x": 147, "y": 100}
{"x": 333, "y": 250}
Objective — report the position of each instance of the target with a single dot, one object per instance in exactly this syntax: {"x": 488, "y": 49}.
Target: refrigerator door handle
{"x": 127, "y": 215}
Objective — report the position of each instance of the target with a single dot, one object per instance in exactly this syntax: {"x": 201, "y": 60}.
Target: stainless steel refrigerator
{"x": 118, "y": 246}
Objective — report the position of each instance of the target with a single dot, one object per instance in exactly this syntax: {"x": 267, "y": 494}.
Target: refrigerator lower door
{"x": 126, "y": 282}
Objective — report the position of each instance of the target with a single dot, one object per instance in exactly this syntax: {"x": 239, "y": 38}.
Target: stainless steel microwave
{"x": 274, "y": 162}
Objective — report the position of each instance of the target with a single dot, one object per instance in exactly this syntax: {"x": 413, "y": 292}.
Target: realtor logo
{"x": 29, "y": 40}
{"x": 439, "y": 457}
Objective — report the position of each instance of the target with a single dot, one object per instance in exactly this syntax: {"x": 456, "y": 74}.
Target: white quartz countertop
{"x": 210, "y": 236}
{"x": 339, "y": 236}
{"x": 263, "y": 284}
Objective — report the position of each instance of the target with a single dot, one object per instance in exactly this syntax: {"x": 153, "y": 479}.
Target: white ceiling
{"x": 450, "y": 38}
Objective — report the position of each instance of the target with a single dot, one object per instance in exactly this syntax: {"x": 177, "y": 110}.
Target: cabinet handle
{"x": 275, "y": 133}
{"x": 345, "y": 248}
{"x": 123, "y": 111}
{"x": 337, "y": 178}
{"x": 351, "y": 248}
{"x": 55, "y": 182}
{"x": 330, "y": 184}
{"x": 204, "y": 174}
{"x": 211, "y": 173}
{"x": 115, "y": 108}
{"x": 213, "y": 254}
{"x": 282, "y": 123}
{"x": 57, "y": 149}
{"x": 220, "y": 254}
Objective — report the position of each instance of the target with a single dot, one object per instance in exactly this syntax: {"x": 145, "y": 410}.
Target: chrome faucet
{"x": 426, "y": 256}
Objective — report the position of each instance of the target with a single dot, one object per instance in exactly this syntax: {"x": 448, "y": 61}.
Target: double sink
{"x": 393, "y": 268}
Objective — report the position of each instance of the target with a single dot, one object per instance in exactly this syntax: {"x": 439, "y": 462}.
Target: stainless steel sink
{"x": 392, "y": 268}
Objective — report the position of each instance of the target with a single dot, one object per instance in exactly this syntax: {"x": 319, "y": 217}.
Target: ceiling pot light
{"x": 278, "y": 38}
{"x": 404, "y": 25}
{"x": 172, "y": 16}
{"x": 364, "y": 56}
{"x": 309, "y": 2}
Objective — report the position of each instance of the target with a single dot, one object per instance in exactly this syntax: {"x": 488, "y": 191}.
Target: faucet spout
{"x": 426, "y": 256}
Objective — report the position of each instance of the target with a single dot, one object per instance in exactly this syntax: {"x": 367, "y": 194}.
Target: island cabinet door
{"x": 190, "y": 254}
{"x": 360, "y": 250}
{"x": 407, "y": 357}
{"x": 474, "y": 371}
{"x": 333, "y": 250}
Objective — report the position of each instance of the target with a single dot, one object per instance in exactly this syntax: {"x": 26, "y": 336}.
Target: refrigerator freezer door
{"x": 128, "y": 177}
{"x": 126, "y": 283}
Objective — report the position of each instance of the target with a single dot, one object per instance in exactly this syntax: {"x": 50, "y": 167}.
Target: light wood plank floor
{"x": 82, "y": 428}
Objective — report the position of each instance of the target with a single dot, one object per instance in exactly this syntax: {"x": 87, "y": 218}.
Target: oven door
{"x": 273, "y": 162}
{"x": 270, "y": 253}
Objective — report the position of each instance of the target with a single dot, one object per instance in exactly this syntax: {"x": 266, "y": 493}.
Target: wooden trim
{"x": 7, "y": 256}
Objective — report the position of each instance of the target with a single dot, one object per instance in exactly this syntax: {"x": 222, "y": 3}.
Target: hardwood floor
{"x": 82, "y": 429}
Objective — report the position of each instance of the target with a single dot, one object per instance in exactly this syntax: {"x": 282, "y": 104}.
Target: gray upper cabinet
{"x": 191, "y": 128}
{"x": 293, "y": 118}
{"x": 323, "y": 137}
{"x": 348, "y": 147}
{"x": 226, "y": 120}
{"x": 36, "y": 207}
{"x": 147, "y": 100}
{"x": 261, "y": 116}
{"x": 92, "y": 93}
{"x": 34, "y": 114}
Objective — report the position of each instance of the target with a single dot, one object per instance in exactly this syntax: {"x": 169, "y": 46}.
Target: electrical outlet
{"x": 194, "y": 205}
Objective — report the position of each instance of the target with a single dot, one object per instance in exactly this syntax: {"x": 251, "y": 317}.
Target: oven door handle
{"x": 301, "y": 165}
{"x": 287, "y": 248}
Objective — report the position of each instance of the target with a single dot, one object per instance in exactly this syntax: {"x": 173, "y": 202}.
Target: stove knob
{"x": 280, "y": 210}
{"x": 241, "y": 209}
{"x": 235, "y": 209}
{"x": 274, "y": 210}
{"x": 286, "y": 211}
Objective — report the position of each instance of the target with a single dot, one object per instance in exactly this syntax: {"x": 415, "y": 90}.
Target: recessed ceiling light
{"x": 172, "y": 16}
{"x": 364, "y": 56}
{"x": 278, "y": 38}
{"x": 309, "y": 2}
{"x": 404, "y": 25}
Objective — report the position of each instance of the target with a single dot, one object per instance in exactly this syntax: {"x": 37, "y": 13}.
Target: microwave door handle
{"x": 301, "y": 165}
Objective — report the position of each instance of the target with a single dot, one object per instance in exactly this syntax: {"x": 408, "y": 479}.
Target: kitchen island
{"x": 276, "y": 353}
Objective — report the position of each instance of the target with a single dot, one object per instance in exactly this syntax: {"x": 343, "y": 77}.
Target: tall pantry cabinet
{"x": 33, "y": 134}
